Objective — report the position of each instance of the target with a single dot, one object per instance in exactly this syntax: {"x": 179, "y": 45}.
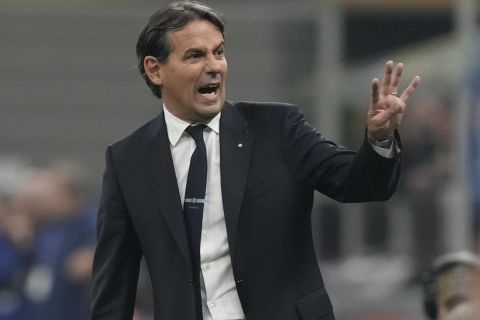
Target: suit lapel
{"x": 235, "y": 150}
{"x": 161, "y": 173}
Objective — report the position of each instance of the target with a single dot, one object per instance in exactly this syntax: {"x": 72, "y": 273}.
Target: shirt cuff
{"x": 387, "y": 153}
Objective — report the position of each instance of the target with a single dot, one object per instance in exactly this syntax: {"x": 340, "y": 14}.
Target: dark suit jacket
{"x": 267, "y": 188}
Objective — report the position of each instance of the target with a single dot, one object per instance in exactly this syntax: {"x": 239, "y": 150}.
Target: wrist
{"x": 382, "y": 143}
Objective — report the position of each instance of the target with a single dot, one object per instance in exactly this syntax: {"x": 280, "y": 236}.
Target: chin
{"x": 208, "y": 112}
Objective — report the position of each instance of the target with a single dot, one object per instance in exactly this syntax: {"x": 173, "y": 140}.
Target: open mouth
{"x": 209, "y": 90}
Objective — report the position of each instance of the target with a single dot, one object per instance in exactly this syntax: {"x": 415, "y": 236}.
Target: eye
{"x": 220, "y": 52}
{"x": 193, "y": 55}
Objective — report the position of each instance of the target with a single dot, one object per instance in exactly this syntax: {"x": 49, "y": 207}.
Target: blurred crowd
{"x": 47, "y": 229}
{"x": 47, "y": 242}
{"x": 427, "y": 171}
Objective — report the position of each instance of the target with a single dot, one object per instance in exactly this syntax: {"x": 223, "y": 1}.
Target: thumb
{"x": 387, "y": 114}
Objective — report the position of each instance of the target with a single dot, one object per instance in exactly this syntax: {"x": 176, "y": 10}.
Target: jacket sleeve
{"x": 337, "y": 172}
{"x": 117, "y": 255}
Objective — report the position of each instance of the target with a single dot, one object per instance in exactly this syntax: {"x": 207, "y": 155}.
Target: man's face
{"x": 192, "y": 78}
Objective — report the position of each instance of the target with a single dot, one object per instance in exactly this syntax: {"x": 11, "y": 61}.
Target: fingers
{"x": 410, "y": 89}
{"x": 387, "y": 77}
{"x": 396, "y": 79}
{"x": 375, "y": 95}
{"x": 391, "y": 79}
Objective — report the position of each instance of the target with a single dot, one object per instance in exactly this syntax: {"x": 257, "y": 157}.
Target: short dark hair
{"x": 153, "y": 40}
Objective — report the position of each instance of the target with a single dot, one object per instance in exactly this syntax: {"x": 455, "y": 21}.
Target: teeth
{"x": 210, "y": 89}
{"x": 209, "y": 95}
{"x": 210, "y": 86}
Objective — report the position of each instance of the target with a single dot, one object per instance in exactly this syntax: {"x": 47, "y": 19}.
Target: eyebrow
{"x": 191, "y": 50}
{"x": 222, "y": 44}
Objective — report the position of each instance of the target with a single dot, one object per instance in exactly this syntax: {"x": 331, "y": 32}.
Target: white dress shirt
{"x": 220, "y": 299}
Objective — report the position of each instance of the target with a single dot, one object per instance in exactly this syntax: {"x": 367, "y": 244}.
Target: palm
{"x": 386, "y": 108}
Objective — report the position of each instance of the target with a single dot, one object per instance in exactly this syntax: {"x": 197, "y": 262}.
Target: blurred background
{"x": 69, "y": 87}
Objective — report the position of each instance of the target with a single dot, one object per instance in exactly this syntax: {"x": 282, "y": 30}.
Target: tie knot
{"x": 196, "y": 132}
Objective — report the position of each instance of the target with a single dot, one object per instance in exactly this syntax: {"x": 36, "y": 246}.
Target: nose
{"x": 213, "y": 65}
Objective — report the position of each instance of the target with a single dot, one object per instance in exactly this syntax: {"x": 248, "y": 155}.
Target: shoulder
{"x": 256, "y": 106}
{"x": 255, "y": 111}
{"x": 138, "y": 137}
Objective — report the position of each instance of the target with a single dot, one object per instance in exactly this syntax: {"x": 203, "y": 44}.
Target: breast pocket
{"x": 316, "y": 306}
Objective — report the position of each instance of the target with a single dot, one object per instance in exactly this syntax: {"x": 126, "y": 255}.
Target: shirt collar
{"x": 176, "y": 126}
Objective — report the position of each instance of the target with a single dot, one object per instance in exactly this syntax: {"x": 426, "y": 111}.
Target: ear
{"x": 153, "y": 70}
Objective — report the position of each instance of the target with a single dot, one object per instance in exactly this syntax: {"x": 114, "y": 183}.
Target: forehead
{"x": 196, "y": 33}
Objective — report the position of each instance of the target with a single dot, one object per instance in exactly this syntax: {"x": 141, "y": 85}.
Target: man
{"x": 453, "y": 281}
{"x": 464, "y": 311}
{"x": 241, "y": 247}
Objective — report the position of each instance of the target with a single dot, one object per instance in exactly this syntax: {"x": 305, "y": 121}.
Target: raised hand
{"x": 386, "y": 107}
